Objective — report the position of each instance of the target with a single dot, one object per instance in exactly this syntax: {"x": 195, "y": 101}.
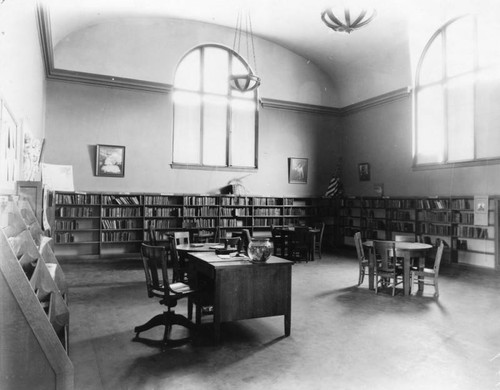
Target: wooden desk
{"x": 409, "y": 250}
{"x": 243, "y": 289}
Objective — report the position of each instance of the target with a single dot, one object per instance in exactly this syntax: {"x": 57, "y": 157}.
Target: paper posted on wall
{"x": 57, "y": 177}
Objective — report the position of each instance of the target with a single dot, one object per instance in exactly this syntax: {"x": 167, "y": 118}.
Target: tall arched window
{"x": 457, "y": 94}
{"x": 214, "y": 126}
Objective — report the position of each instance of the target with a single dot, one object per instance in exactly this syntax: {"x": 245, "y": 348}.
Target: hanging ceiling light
{"x": 247, "y": 81}
{"x": 347, "y": 20}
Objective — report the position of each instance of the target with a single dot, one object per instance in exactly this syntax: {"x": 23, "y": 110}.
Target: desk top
{"x": 403, "y": 245}
{"x": 218, "y": 261}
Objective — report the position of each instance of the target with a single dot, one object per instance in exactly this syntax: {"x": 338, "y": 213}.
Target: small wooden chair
{"x": 181, "y": 238}
{"x": 318, "y": 243}
{"x": 387, "y": 273}
{"x": 430, "y": 276}
{"x": 363, "y": 261}
{"x": 301, "y": 244}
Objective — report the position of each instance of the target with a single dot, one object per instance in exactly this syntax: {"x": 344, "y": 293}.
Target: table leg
{"x": 421, "y": 266}
{"x": 406, "y": 274}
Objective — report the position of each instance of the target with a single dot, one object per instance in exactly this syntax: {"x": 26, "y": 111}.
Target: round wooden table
{"x": 409, "y": 250}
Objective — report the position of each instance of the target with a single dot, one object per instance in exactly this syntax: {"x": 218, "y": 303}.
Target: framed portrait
{"x": 364, "y": 171}
{"x": 110, "y": 160}
{"x": 297, "y": 170}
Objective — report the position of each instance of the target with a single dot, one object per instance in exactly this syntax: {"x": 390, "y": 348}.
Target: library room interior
{"x": 236, "y": 194}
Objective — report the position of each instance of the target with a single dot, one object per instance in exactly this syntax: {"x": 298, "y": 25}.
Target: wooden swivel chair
{"x": 318, "y": 243}
{"x": 155, "y": 268}
{"x": 363, "y": 261}
{"x": 386, "y": 272}
{"x": 429, "y": 276}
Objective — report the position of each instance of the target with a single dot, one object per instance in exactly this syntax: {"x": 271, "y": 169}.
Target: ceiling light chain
{"x": 249, "y": 81}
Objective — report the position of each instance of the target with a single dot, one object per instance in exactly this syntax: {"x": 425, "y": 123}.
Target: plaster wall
{"x": 149, "y": 49}
{"x": 22, "y": 75}
{"x": 81, "y": 116}
{"x": 382, "y": 137}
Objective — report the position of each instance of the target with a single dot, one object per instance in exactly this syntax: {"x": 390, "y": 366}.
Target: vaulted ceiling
{"x": 373, "y": 60}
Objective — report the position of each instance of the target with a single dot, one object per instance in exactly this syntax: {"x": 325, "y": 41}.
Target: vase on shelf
{"x": 260, "y": 249}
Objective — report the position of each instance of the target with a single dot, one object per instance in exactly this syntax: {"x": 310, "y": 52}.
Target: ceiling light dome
{"x": 347, "y": 20}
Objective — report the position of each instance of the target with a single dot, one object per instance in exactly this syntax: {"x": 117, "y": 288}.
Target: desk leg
{"x": 406, "y": 274}
{"x": 217, "y": 313}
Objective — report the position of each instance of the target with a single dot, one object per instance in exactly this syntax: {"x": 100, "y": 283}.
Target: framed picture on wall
{"x": 364, "y": 171}
{"x": 110, "y": 160}
{"x": 297, "y": 170}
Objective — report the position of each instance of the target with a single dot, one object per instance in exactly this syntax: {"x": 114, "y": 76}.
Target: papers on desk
{"x": 196, "y": 245}
{"x": 217, "y": 247}
{"x": 234, "y": 256}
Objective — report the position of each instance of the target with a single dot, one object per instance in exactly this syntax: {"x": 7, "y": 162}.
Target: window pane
{"x": 243, "y": 133}
{"x": 488, "y": 47}
{"x": 460, "y": 47}
{"x": 186, "y": 128}
{"x": 431, "y": 69}
{"x": 214, "y": 130}
{"x": 430, "y": 125}
{"x": 215, "y": 70}
{"x": 187, "y": 75}
{"x": 461, "y": 119}
{"x": 488, "y": 116}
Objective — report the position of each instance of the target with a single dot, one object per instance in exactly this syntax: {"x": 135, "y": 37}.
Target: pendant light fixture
{"x": 248, "y": 81}
{"x": 346, "y": 19}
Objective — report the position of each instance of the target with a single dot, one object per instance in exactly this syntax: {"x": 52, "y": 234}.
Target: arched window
{"x": 214, "y": 126}
{"x": 457, "y": 94}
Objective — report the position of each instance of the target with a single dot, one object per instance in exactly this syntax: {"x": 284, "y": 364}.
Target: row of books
{"x": 161, "y": 212}
{"x": 77, "y": 199}
{"x": 120, "y": 224}
{"x": 124, "y": 212}
{"x": 165, "y": 224}
{"x": 267, "y": 212}
{"x": 120, "y": 200}
{"x": 204, "y": 211}
{"x": 76, "y": 212}
{"x": 162, "y": 200}
{"x": 200, "y": 200}
{"x": 121, "y": 236}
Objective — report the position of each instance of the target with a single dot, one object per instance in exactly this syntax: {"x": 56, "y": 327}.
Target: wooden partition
{"x": 35, "y": 317}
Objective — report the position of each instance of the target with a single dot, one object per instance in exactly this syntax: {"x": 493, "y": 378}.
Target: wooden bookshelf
{"x": 449, "y": 219}
{"x": 100, "y": 224}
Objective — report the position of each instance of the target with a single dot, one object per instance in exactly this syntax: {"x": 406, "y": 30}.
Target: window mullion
{"x": 202, "y": 102}
{"x": 445, "y": 96}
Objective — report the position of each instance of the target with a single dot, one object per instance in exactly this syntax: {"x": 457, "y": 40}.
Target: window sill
{"x": 460, "y": 164}
{"x": 212, "y": 168}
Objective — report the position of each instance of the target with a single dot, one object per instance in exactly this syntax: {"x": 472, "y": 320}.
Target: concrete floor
{"x": 343, "y": 336}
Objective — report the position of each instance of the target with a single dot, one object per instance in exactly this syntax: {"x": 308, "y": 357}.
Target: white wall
{"x": 22, "y": 75}
{"x": 81, "y": 116}
{"x": 150, "y": 49}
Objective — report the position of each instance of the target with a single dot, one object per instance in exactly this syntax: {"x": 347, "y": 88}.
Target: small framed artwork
{"x": 378, "y": 189}
{"x": 297, "y": 170}
{"x": 364, "y": 171}
{"x": 110, "y": 160}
